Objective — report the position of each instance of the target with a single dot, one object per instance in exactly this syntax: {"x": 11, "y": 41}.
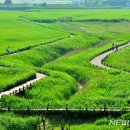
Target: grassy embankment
{"x": 110, "y": 87}
{"x": 73, "y": 68}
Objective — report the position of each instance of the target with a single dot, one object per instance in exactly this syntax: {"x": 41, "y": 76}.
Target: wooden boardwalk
{"x": 71, "y": 112}
{"x": 22, "y": 87}
{"x": 39, "y": 76}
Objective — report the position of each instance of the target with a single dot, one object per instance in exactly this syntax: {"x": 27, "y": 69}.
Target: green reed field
{"x": 50, "y": 47}
{"x": 10, "y": 121}
{"x": 120, "y": 59}
{"x": 18, "y": 32}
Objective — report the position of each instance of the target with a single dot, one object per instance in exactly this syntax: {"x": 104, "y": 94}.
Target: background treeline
{"x": 107, "y": 2}
{"x": 75, "y": 4}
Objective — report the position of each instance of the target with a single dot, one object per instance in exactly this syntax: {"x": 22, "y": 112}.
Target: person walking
{"x": 8, "y": 50}
{"x": 116, "y": 48}
{"x": 113, "y": 46}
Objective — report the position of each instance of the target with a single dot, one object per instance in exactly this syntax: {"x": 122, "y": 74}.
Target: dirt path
{"x": 97, "y": 61}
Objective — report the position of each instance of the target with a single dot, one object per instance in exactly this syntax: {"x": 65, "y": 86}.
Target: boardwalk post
{"x": 67, "y": 128}
{"x": 47, "y": 107}
{"x": 23, "y": 88}
{"x": 62, "y": 124}
{"x": 66, "y": 107}
{"x": 28, "y": 110}
{"x": 86, "y": 107}
{"x": 19, "y": 90}
{"x": 8, "y": 108}
{"x": 105, "y": 108}
{"x": 69, "y": 125}
{"x": 30, "y": 85}
{"x": 66, "y": 111}
{"x": 62, "y": 128}
{"x": 27, "y": 86}
{"x": 52, "y": 128}
{"x": 23, "y": 92}
{"x": 43, "y": 122}
{"x": 53, "y": 124}
{"x": 15, "y": 92}
{"x": 39, "y": 127}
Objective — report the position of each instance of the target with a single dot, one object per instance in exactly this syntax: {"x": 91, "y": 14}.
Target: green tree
{"x": 44, "y": 4}
{"x": 106, "y": 2}
{"x": 7, "y": 2}
{"x": 116, "y": 2}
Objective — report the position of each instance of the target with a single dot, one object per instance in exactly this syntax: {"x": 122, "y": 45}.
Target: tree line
{"x": 90, "y": 2}
{"x": 106, "y": 2}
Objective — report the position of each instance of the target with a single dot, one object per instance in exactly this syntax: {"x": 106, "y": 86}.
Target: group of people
{"x": 114, "y": 47}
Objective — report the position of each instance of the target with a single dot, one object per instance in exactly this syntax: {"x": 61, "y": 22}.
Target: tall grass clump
{"x": 10, "y": 121}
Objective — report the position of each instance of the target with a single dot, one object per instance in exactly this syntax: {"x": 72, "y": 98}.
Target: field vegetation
{"x": 120, "y": 60}
{"x": 68, "y": 60}
{"x": 9, "y": 121}
{"x": 103, "y": 123}
{"x": 24, "y": 33}
{"x": 63, "y": 51}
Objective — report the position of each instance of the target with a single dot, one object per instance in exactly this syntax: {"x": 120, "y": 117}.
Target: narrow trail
{"x": 97, "y": 61}
{"x": 27, "y": 84}
{"x": 37, "y": 45}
